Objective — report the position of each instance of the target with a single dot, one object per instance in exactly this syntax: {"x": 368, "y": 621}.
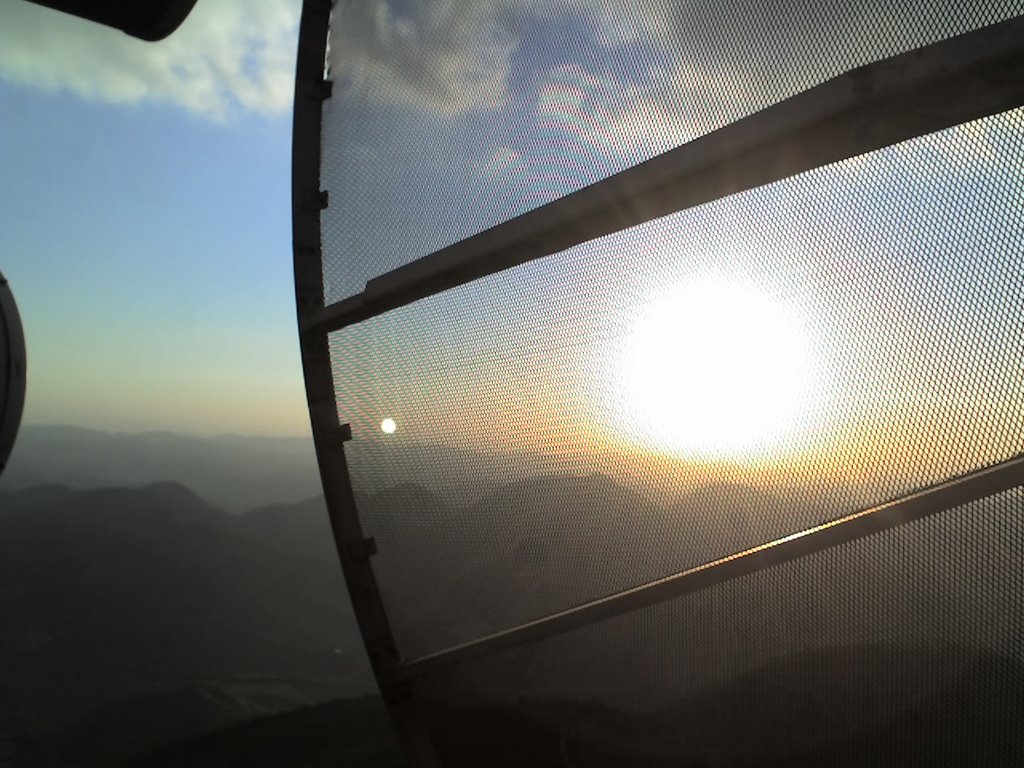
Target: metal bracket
{"x": 321, "y": 90}
{"x": 317, "y": 201}
{"x": 362, "y": 550}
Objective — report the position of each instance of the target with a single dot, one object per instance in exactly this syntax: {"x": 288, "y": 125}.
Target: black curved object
{"x": 13, "y": 371}
{"x": 151, "y": 21}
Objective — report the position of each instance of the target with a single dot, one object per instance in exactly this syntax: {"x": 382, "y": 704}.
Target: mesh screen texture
{"x": 905, "y": 648}
{"x": 450, "y": 117}
{"x": 691, "y": 387}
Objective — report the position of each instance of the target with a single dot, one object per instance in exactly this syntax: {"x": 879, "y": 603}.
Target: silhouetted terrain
{"x": 355, "y": 733}
{"x": 537, "y": 545}
{"x": 149, "y": 608}
{"x": 301, "y": 529}
{"x": 530, "y": 547}
{"x": 859, "y": 705}
{"x": 135, "y": 618}
{"x": 237, "y": 473}
{"x": 865, "y": 706}
{"x": 234, "y": 473}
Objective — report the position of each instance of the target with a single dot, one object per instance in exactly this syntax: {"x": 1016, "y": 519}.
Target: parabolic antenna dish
{"x": 12, "y": 371}
{"x": 640, "y": 406}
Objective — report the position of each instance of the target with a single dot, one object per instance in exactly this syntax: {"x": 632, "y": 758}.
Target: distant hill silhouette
{"x": 120, "y": 595}
{"x": 234, "y": 473}
{"x": 854, "y": 706}
{"x": 186, "y": 594}
{"x": 545, "y": 543}
{"x": 238, "y": 473}
{"x": 351, "y": 733}
{"x": 858, "y": 705}
{"x": 13, "y": 502}
{"x": 201, "y": 726}
{"x": 304, "y": 528}
{"x": 301, "y": 529}
{"x": 153, "y": 607}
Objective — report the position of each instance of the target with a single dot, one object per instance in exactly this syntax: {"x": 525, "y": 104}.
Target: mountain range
{"x": 149, "y": 599}
{"x": 137, "y": 618}
{"x": 238, "y": 473}
{"x": 232, "y": 473}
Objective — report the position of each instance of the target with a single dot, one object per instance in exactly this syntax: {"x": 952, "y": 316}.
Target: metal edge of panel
{"x": 12, "y": 391}
{"x": 329, "y": 436}
{"x": 934, "y": 87}
{"x": 983, "y": 483}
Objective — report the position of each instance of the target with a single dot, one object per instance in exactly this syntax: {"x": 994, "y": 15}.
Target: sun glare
{"x": 713, "y": 367}
{"x": 388, "y": 426}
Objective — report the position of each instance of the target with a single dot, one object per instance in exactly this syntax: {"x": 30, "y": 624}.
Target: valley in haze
{"x": 140, "y": 616}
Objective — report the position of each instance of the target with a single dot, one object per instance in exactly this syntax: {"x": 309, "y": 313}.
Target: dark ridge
{"x": 355, "y": 733}
{"x": 827, "y": 707}
{"x": 12, "y": 501}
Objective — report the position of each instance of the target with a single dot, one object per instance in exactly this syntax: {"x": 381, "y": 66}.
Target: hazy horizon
{"x": 566, "y": 433}
{"x": 47, "y": 425}
{"x": 146, "y": 207}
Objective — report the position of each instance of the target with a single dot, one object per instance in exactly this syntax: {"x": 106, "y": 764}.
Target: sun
{"x": 713, "y": 367}
{"x": 388, "y": 426}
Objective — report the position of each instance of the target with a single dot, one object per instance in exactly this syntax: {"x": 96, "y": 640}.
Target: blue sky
{"x": 145, "y": 198}
{"x": 147, "y": 236}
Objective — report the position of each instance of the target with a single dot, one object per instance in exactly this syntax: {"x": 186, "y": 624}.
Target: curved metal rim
{"x": 12, "y": 399}
{"x": 354, "y": 549}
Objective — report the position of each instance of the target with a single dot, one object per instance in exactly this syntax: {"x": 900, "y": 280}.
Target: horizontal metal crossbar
{"x": 964, "y": 78}
{"x": 967, "y": 488}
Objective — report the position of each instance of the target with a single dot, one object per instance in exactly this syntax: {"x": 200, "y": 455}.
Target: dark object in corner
{"x": 12, "y": 371}
{"x": 150, "y": 20}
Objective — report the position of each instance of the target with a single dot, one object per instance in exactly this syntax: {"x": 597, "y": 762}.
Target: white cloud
{"x": 228, "y": 56}
{"x": 634, "y": 121}
{"x": 447, "y": 56}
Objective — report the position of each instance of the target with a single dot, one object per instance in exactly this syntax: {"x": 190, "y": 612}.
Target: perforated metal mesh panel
{"x": 613, "y": 490}
{"x": 691, "y": 387}
{"x": 903, "y": 648}
{"x": 450, "y": 117}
